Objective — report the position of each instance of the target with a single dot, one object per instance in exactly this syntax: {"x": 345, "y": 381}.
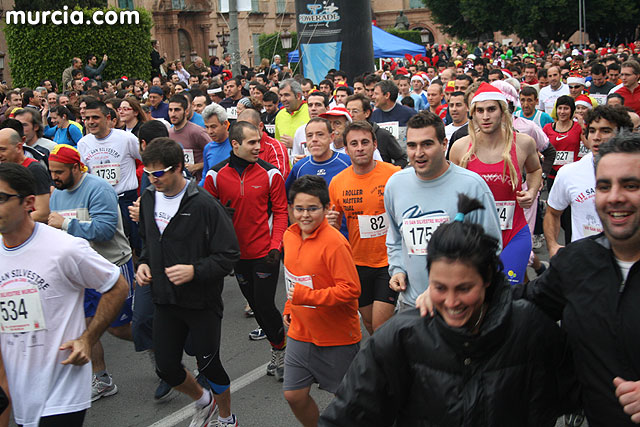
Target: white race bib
{"x": 583, "y": 150}
{"x": 600, "y": 98}
{"x": 232, "y": 113}
{"x": 590, "y": 230}
{"x": 189, "y": 157}
{"x": 563, "y": 158}
{"x": 290, "y": 280}
{"x": 71, "y": 214}
{"x": 505, "y": 213}
{"x": 109, "y": 171}
{"x": 373, "y": 225}
{"x": 392, "y": 127}
{"x": 417, "y": 232}
{"x": 271, "y": 129}
{"x": 21, "y": 310}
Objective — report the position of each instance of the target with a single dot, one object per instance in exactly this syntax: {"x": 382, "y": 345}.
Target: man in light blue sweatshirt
{"x": 420, "y": 198}
{"x": 86, "y": 206}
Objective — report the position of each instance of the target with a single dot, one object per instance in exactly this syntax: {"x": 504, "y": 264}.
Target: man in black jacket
{"x": 189, "y": 245}
{"x": 593, "y": 286}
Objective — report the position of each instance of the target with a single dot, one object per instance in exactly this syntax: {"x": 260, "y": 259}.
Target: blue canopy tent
{"x": 385, "y": 45}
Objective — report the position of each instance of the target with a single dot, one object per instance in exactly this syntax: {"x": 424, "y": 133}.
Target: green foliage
{"x": 57, "y": 4}
{"x": 540, "y": 19}
{"x": 43, "y": 51}
{"x": 410, "y": 35}
{"x": 270, "y": 45}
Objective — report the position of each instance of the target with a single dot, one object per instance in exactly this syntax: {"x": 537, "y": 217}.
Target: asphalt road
{"x": 257, "y": 399}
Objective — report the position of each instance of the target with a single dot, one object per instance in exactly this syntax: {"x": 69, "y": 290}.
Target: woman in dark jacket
{"x": 216, "y": 67}
{"x": 483, "y": 360}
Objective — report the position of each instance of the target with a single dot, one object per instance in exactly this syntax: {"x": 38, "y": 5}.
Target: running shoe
{"x": 543, "y": 266}
{"x": 248, "y": 312}
{"x": 273, "y": 364}
{"x": 100, "y": 388}
{"x": 257, "y": 334}
{"x": 538, "y": 241}
{"x": 202, "y": 417}
{"x": 279, "y": 362}
{"x": 233, "y": 423}
{"x": 163, "y": 392}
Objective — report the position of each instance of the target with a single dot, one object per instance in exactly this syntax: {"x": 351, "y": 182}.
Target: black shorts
{"x": 375, "y": 286}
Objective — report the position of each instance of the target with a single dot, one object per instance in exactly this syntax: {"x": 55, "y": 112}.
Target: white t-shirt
{"x": 549, "y": 96}
{"x": 299, "y": 146}
{"x": 40, "y": 385}
{"x": 625, "y": 267}
{"x": 112, "y": 158}
{"x": 451, "y": 128}
{"x": 166, "y": 208}
{"x": 575, "y": 185}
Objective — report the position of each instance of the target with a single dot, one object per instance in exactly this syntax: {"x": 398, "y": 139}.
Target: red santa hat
{"x": 584, "y": 101}
{"x": 486, "y": 92}
{"x": 576, "y": 79}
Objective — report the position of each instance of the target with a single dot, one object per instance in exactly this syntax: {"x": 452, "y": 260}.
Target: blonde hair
{"x": 507, "y": 137}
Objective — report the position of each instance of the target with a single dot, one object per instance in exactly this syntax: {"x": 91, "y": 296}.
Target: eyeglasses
{"x": 310, "y": 209}
{"x": 4, "y": 197}
{"x": 125, "y": 109}
{"x": 158, "y": 174}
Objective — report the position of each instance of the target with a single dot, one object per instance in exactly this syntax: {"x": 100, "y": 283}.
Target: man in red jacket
{"x": 254, "y": 191}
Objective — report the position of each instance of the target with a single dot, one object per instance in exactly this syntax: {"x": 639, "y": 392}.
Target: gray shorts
{"x": 306, "y": 363}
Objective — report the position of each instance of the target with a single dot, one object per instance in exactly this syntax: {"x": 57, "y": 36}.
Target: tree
{"x": 611, "y": 20}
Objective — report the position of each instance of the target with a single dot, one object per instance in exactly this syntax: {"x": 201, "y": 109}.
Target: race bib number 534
{"x": 21, "y": 310}
{"x": 417, "y": 232}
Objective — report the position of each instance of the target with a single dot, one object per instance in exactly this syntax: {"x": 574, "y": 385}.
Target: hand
{"x": 333, "y": 217}
{"x": 143, "y": 275}
{"x": 290, "y": 292}
{"x": 134, "y": 211}
{"x": 229, "y": 209}
{"x": 553, "y": 249}
{"x": 424, "y": 303}
{"x": 191, "y": 168}
{"x": 80, "y": 352}
{"x": 286, "y": 140}
{"x": 297, "y": 158}
{"x": 273, "y": 257}
{"x": 524, "y": 199}
{"x": 398, "y": 282}
{"x": 628, "y": 394}
{"x": 55, "y": 220}
{"x": 180, "y": 274}
{"x": 286, "y": 319}
{"x": 105, "y": 57}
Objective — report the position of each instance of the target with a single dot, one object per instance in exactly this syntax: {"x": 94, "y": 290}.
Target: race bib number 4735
{"x": 417, "y": 232}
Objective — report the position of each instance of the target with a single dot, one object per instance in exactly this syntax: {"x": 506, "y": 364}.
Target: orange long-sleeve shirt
{"x": 324, "y": 308}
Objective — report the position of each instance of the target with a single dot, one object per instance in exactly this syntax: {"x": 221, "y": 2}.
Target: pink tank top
{"x": 499, "y": 181}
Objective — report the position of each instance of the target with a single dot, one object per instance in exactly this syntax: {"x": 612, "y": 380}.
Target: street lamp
{"x": 1, "y": 65}
{"x": 425, "y": 35}
{"x": 213, "y": 46}
{"x": 193, "y": 56}
{"x": 223, "y": 39}
{"x": 250, "y": 54}
{"x": 183, "y": 57}
{"x": 285, "y": 39}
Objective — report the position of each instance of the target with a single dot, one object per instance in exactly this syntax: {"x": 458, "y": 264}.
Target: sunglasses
{"x": 158, "y": 174}
{"x": 4, "y": 197}
{"x": 575, "y": 86}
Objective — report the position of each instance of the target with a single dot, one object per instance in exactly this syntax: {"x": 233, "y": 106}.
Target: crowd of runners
{"x": 431, "y": 183}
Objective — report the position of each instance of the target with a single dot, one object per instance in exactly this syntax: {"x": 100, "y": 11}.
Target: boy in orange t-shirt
{"x": 322, "y": 300}
{"x": 358, "y": 193}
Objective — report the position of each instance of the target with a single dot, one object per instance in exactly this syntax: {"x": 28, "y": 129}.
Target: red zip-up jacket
{"x": 274, "y": 152}
{"x": 259, "y": 199}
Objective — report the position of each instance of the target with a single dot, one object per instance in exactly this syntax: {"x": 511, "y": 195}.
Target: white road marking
{"x": 188, "y": 411}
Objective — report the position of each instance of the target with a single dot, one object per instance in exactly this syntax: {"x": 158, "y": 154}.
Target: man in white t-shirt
{"x": 111, "y": 154}
{"x": 45, "y": 346}
{"x": 318, "y": 103}
{"x": 459, "y": 113}
{"x": 549, "y": 94}
{"x": 575, "y": 183}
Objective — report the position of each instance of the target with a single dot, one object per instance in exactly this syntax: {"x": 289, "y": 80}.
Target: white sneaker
{"x": 100, "y": 388}
{"x": 203, "y": 416}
